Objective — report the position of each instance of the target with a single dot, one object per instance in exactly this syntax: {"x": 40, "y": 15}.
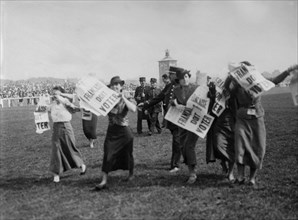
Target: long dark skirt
{"x": 250, "y": 141}
{"x": 220, "y": 139}
{"x": 65, "y": 155}
{"x": 118, "y": 149}
{"x": 89, "y": 127}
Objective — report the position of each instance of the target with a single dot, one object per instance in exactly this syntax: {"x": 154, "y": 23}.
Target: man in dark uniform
{"x": 165, "y": 96}
{"x": 140, "y": 96}
{"x": 154, "y": 110}
{"x": 166, "y": 80}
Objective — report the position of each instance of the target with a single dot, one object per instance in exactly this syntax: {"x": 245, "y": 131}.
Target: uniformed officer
{"x": 140, "y": 96}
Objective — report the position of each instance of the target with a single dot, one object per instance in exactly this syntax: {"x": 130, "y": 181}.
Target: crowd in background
{"x": 18, "y": 89}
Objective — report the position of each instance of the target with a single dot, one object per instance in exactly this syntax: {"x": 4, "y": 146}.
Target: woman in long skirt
{"x": 65, "y": 155}
{"x": 89, "y": 122}
{"x": 188, "y": 139}
{"x": 250, "y": 132}
{"x": 118, "y": 145}
{"x": 220, "y": 137}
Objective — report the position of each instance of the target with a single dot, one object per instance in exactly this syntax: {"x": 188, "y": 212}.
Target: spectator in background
{"x": 140, "y": 96}
{"x": 154, "y": 111}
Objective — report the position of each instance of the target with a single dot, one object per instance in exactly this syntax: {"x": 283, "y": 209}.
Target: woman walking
{"x": 250, "y": 132}
{"x": 188, "y": 139}
{"x": 65, "y": 155}
{"x": 220, "y": 137}
{"x": 89, "y": 122}
{"x": 118, "y": 145}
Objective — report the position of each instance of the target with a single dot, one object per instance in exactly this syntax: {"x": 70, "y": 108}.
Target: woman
{"x": 250, "y": 132}
{"x": 89, "y": 121}
{"x": 65, "y": 155}
{"x": 188, "y": 139}
{"x": 220, "y": 137}
{"x": 118, "y": 145}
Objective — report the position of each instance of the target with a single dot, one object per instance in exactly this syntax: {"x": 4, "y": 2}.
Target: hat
{"x": 180, "y": 72}
{"x": 115, "y": 80}
{"x": 165, "y": 76}
{"x": 153, "y": 80}
{"x": 142, "y": 79}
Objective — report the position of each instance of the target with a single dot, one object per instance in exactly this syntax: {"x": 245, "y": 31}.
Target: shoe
{"x": 140, "y": 132}
{"x": 56, "y": 179}
{"x": 91, "y": 145}
{"x": 239, "y": 182}
{"x": 100, "y": 187}
{"x": 192, "y": 179}
{"x": 149, "y": 133}
{"x": 129, "y": 179}
{"x": 174, "y": 170}
{"x": 84, "y": 169}
{"x": 231, "y": 180}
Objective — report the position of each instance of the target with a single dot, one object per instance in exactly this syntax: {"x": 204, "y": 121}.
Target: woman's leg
{"x": 230, "y": 171}
{"x": 241, "y": 169}
{"x": 252, "y": 176}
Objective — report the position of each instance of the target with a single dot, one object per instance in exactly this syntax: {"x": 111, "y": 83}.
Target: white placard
{"x": 251, "y": 80}
{"x": 96, "y": 96}
{"x": 192, "y": 119}
{"x": 42, "y": 121}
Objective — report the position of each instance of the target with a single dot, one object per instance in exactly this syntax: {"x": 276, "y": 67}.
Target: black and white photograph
{"x": 140, "y": 110}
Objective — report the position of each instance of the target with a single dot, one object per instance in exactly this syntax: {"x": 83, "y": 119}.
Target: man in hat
{"x": 140, "y": 96}
{"x": 155, "y": 109}
{"x": 166, "y": 80}
{"x": 166, "y": 95}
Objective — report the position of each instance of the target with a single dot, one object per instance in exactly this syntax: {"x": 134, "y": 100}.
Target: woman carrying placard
{"x": 118, "y": 145}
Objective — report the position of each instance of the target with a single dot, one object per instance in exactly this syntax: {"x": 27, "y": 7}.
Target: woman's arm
{"x": 131, "y": 106}
{"x": 284, "y": 74}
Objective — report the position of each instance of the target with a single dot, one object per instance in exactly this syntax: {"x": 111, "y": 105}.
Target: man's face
{"x": 142, "y": 83}
{"x": 172, "y": 77}
{"x": 153, "y": 84}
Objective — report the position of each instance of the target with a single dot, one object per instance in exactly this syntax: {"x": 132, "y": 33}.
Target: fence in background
{"x": 27, "y": 101}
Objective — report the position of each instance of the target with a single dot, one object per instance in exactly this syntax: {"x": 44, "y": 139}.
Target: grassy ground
{"x": 27, "y": 190}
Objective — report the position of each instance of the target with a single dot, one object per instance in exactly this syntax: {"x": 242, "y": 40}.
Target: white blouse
{"x": 59, "y": 113}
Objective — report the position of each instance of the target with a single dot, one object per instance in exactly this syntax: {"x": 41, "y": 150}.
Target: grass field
{"x": 27, "y": 190}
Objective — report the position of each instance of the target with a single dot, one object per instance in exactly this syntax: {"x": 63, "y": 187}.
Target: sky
{"x": 70, "y": 39}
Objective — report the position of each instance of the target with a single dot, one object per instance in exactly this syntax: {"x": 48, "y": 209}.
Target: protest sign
{"x": 86, "y": 115}
{"x": 199, "y": 98}
{"x": 42, "y": 121}
{"x": 41, "y": 115}
{"x": 192, "y": 119}
{"x": 222, "y": 95}
{"x": 251, "y": 80}
{"x": 95, "y": 96}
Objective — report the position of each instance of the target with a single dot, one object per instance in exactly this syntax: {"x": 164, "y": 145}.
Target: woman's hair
{"x": 59, "y": 88}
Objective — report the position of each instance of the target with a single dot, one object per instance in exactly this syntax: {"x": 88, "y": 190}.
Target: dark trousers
{"x": 176, "y": 147}
{"x": 141, "y": 117}
{"x": 154, "y": 122}
{"x": 188, "y": 141}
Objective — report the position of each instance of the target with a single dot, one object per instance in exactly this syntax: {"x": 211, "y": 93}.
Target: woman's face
{"x": 116, "y": 87}
{"x": 185, "y": 80}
